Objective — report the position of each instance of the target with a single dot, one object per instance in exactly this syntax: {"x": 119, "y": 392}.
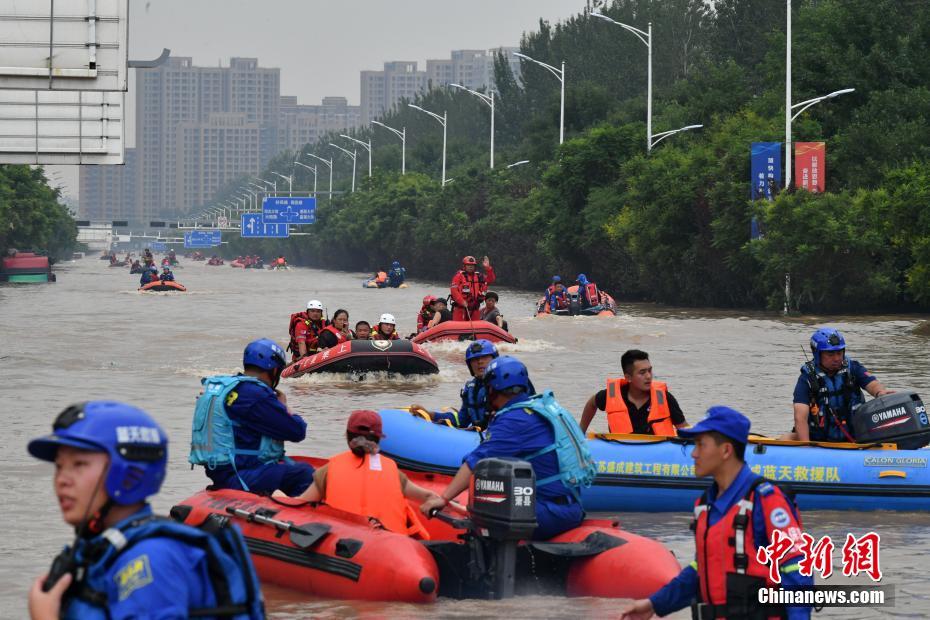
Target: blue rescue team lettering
{"x": 795, "y": 473}
{"x": 136, "y": 574}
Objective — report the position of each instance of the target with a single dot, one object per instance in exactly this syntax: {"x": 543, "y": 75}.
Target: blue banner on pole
{"x": 766, "y": 169}
{"x": 289, "y": 210}
{"x": 253, "y": 226}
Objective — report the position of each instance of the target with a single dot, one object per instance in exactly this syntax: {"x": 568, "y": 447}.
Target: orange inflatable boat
{"x": 162, "y": 286}
{"x": 607, "y": 307}
{"x": 464, "y": 330}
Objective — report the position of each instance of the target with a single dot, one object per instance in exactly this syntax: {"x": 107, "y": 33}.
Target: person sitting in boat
{"x": 280, "y": 262}
{"x": 110, "y": 458}
{"x": 172, "y": 257}
{"x": 241, "y": 423}
{"x": 426, "y": 313}
{"x": 364, "y": 482}
{"x": 491, "y": 313}
{"x": 557, "y": 295}
{"x": 529, "y": 426}
{"x": 362, "y": 331}
{"x": 147, "y": 255}
{"x": 136, "y": 267}
{"x": 304, "y": 329}
{"x": 468, "y": 288}
{"x": 829, "y": 387}
{"x": 473, "y": 412}
{"x": 380, "y": 278}
{"x": 723, "y": 541}
{"x": 440, "y": 313}
{"x": 396, "y": 275}
{"x": 149, "y": 274}
{"x": 337, "y": 331}
{"x": 636, "y": 403}
{"x": 588, "y": 293}
{"x": 386, "y": 329}
{"x": 166, "y": 275}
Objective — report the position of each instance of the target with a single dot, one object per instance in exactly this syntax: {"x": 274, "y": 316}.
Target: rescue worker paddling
{"x": 737, "y": 515}
{"x": 468, "y": 288}
{"x": 128, "y": 563}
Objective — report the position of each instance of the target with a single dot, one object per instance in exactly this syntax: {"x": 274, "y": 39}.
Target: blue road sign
{"x": 158, "y": 246}
{"x": 202, "y": 238}
{"x": 254, "y": 226}
{"x": 289, "y": 210}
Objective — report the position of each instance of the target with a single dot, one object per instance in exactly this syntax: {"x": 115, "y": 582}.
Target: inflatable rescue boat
{"x": 607, "y": 307}
{"x": 403, "y": 357}
{"x": 163, "y": 286}
{"x": 238, "y": 264}
{"x": 464, "y": 330}
{"x": 644, "y": 473}
{"x": 479, "y": 552}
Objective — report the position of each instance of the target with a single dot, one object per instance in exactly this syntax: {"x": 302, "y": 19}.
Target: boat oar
{"x": 303, "y": 536}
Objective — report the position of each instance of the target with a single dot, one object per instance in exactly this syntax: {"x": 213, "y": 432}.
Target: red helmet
{"x": 469, "y": 260}
{"x": 428, "y": 300}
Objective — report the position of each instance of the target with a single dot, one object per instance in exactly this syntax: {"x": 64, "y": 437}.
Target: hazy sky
{"x": 341, "y": 37}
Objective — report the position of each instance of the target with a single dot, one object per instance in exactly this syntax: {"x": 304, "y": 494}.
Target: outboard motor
{"x": 899, "y": 418}
{"x": 502, "y": 506}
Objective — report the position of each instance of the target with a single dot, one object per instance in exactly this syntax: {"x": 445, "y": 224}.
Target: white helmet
{"x": 387, "y": 318}
{"x": 314, "y": 304}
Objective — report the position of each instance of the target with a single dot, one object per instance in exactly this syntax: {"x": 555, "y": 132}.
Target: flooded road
{"x": 92, "y": 336}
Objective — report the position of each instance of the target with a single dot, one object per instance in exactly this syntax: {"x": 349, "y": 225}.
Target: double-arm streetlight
{"x": 489, "y": 100}
{"x": 442, "y": 120}
{"x": 656, "y": 138}
{"x": 329, "y": 163}
{"x": 560, "y": 74}
{"x": 273, "y": 184}
{"x": 402, "y": 134}
{"x": 290, "y": 182}
{"x": 311, "y": 169}
{"x": 367, "y": 146}
{"x": 354, "y": 155}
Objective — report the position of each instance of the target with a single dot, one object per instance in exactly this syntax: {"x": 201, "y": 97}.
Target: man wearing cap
{"x": 364, "y": 482}
{"x": 738, "y": 514}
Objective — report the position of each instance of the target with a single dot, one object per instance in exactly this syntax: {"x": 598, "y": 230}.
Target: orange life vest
{"x": 618, "y": 416}
{"x": 592, "y": 294}
{"x": 370, "y": 487}
{"x": 382, "y": 277}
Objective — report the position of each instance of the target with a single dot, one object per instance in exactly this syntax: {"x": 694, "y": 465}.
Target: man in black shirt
{"x": 636, "y": 403}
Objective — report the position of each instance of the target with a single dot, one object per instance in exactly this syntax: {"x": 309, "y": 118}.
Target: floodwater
{"x": 91, "y": 335}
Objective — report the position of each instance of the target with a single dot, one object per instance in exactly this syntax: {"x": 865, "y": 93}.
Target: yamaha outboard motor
{"x": 899, "y": 418}
{"x": 502, "y": 506}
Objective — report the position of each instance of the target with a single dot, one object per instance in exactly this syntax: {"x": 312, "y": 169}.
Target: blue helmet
{"x": 556, "y": 279}
{"x": 395, "y": 264}
{"x": 480, "y": 348}
{"x": 265, "y": 354}
{"x": 505, "y": 373}
{"x": 136, "y": 444}
{"x": 826, "y": 339}
{"x": 582, "y": 279}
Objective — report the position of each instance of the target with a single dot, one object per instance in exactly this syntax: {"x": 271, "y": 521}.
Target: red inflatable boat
{"x": 607, "y": 307}
{"x": 358, "y": 356}
{"x": 160, "y": 286}
{"x": 320, "y": 550}
{"x": 465, "y": 330}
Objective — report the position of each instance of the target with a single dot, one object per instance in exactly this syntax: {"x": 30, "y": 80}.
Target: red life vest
{"x": 312, "y": 328}
{"x": 618, "y": 414}
{"x": 592, "y": 294}
{"x": 340, "y": 337}
{"x": 728, "y": 546}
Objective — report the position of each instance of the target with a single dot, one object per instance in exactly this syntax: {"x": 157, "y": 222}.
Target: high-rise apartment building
{"x": 109, "y": 192}
{"x": 382, "y": 90}
{"x": 177, "y": 101}
{"x": 303, "y": 124}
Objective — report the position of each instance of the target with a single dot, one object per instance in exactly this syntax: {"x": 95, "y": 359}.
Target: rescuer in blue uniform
{"x": 474, "y": 411}
{"x": 396, "y": 275}
{"x": 723, "y": 578}
{"x": 241, "y": 423}
{"x": 519, "y": 429}
{"x": 109, "y": 457}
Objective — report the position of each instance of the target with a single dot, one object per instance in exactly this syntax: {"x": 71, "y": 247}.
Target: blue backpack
{"x": 577, "y": 467}
{"x": 212, "y": 438}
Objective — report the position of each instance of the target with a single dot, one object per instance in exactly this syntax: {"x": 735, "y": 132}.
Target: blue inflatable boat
{"x": 639, "y": 473}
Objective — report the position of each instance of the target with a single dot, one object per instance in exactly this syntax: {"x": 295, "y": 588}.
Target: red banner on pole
{"x": 810, "y": 166}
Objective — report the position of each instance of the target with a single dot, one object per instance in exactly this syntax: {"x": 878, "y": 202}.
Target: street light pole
{"x": 560, "y": 74}
{"x": 489, "y": 100}
{"x": 442, "y": 120}
{"x": 311, "y": 169}
{"x": 367, "y": 146}
{"x": 789, "y": 119}
{"x": 665, "y": 134}
{"x": 788, "y": 97}
{"x": 329, "y": 163}
{"x": 402, "y": 134}
{"x": 353, "y": 155}
{"x": 290, "y": 182}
